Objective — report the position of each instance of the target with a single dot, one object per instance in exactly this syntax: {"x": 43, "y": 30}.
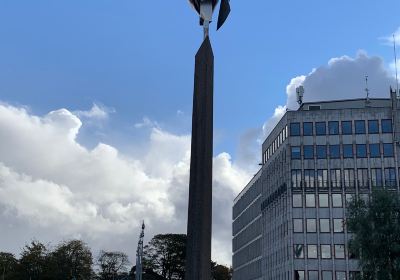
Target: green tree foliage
{"x": 71, "y": 260}
{"x": 165, "y": 254}
{"x": 33, "y": 261}
{"x": 112, "y": 265}
{"x": 8, "y": 265}
{"x": 220, "y": 272}
{"x": 376, "y": 235}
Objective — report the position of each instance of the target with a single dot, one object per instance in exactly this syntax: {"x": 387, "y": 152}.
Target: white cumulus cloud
{"x": 52, "y": 188}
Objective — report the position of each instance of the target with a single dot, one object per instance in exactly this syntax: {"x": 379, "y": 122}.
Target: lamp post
{"x": 198, "y": 254}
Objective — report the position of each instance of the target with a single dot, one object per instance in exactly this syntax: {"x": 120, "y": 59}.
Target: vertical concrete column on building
{"x": 198, "y": 257}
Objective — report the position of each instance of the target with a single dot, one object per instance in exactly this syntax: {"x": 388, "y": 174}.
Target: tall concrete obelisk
{"x": 198, "y": 254}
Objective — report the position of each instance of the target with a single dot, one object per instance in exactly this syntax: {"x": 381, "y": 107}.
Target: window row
{"x": 323, "y": 200}
{"x": 326, "y": 275}
{"x": 313, "y": 226}
{"x": 345, "y": 127}
{"x": 374, "y": 150}
{"x": 324, "y": 252}
{"x": 282, "y": 136}
{"x": 311, "y": 178}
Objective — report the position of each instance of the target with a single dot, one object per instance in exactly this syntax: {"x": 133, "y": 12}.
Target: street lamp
{"x": 198, "y": 254}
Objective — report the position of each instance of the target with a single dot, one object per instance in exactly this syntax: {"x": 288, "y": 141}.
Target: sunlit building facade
{"x": 289, "y": 221}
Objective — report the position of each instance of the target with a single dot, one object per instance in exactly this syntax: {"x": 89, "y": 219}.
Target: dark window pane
{"x": 299, "y": 275}
{"x": 390, "y": 178}
{"x": 360, "y": 127}
{"x": 348, "y": 151}
{"x": 308, "y": 129}
{"x": 362, "y": 177}
{"x": 320, "y": 128}
{"x": 321, "y": 151}
{"x": 347, "y": 128}
{"x": 309, "y": 178}
{"x": 333, "y": 128}
{"x": 349, "y": 178}
{"x": 298, "y": 251}
{"x": 295, "y": 129}
{"x": 373, "y": 126}
{"x": 376, "y": 176}
{"x": 308, "y": 151}
{"x": 334, "y": 151}
{"x": 361, "y": 150}
{"x": 387, "y": 126}
{"x": 374, "y": 150}
{"x": 388, "y": 150}
{"x": 296, "y": 152}
{"x": 296, "y": 178}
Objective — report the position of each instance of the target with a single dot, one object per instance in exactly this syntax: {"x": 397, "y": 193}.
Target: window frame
{"x": 385, "y": 150}
{"x": 308, "y": 148}
{"x": 307, "y": 225}
{"x": 335, "y": 251}
{"x": 327, "y": 200}
{"x": 341, "y": 227}
{"x": 345, "y": 147}
{"x": 292, "y": 153}
{"x": 306, "y": 197}
{"x": 363, "y": 130}
{"x": 293, "y": 128}
{"x": 373, "y": 154}
{"x": 333, "y": 127}
{"x": 318, "y": 125}
{"x": 294, "y": 225}
{"x": 334, "y": 205}
{"x": 306, "y": 130}
{"x": 385, "y": 128}
{"x": 323, "y": 147}
{"x": 308, "y": 251}
{"x": 374, "y": 130}
{"x": 359, "y": 155}
{"x": 333, "y": 148}
{"x": 301, "y": 200}
{"x": 320, "y": 225}
{"x": 345, "y": 131}
{"x": 322, "y": 252}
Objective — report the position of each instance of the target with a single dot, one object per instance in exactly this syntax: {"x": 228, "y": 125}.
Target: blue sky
{"x": 96, "y": 100}
{"x": 137, "y": 57}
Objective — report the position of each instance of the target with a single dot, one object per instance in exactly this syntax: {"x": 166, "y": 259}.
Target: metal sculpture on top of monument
{"x": 198, "y": 254}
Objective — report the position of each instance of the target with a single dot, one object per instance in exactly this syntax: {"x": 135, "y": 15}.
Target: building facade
{"x": 289, "y": 221}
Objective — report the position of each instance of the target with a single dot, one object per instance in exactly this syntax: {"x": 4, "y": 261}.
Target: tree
{"x": 112, "y": 265}
{"x": 376, "y": 235}
{"x": 220, "y": 272}
{"x": 165, "y": 254}
{"x": 33, "y": 261}
{"x": 8, "y": 264}
{"x": 71, "y": 260}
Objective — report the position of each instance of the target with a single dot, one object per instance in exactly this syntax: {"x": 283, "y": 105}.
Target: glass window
{"x": 361, "y": 150}
{"x": 326, "y": 251}
{"x": 296, "y": 178}
{"x": 347, "y": 128}
{"x": 308, "y": 129}
{"x": 297, "y": 201}
{"x": 339, "y": 251}
{"x": 320, "y": 128}
{"x": 337, "y": 200}
{"x": 299, "y": 275}
{"x": 313, "y": 275}
{"x": 349, "y": 198}
{"x": 296, "y": 154}
{"x": 297, "y": 225}
{"x": 298, "y": 251}
{"x": 349, "y": 178}
{"x": 373, "y": 126}
{"x": 340, "y": 275}
{"x": 323, "y": 200}
{"x": 334, "y": 151}
{"x": 309, "y": 178}
{"x": 338, "y": 225}
{"x": 327, "y": 275}
{"x": 348, "y": 150}
{"x": 387, "y": 126}
{"x": 295, "y": 129}
{"x": 374, "y": 150}
{"x": 390, "y": 178}
{"x": 324, "y": 225}
{"x": 308, "y": 151}
{"x": 321, "y": 151}
{"x": 311, "y": 225}
{"x": 376, "y": 178}
{"x": 310, "y": 200}
{"x": 336, "y": 178}
{"x": 362, "y": 174}
{"x": 360, "y": 127}
{"x": 322, "y": 177}
{"x": 312, "y": 251}
{"x": 333, "y": 128}
{"x": 387, "y": 149}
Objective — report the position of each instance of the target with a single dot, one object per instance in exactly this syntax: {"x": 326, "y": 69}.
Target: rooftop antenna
{"x": 300, "y": 94}
{"x": 395, "y": 64}
{"x": 366, "y": 88}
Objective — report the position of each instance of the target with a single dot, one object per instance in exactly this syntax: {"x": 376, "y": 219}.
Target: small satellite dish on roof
{"x": 300, "y": 94}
